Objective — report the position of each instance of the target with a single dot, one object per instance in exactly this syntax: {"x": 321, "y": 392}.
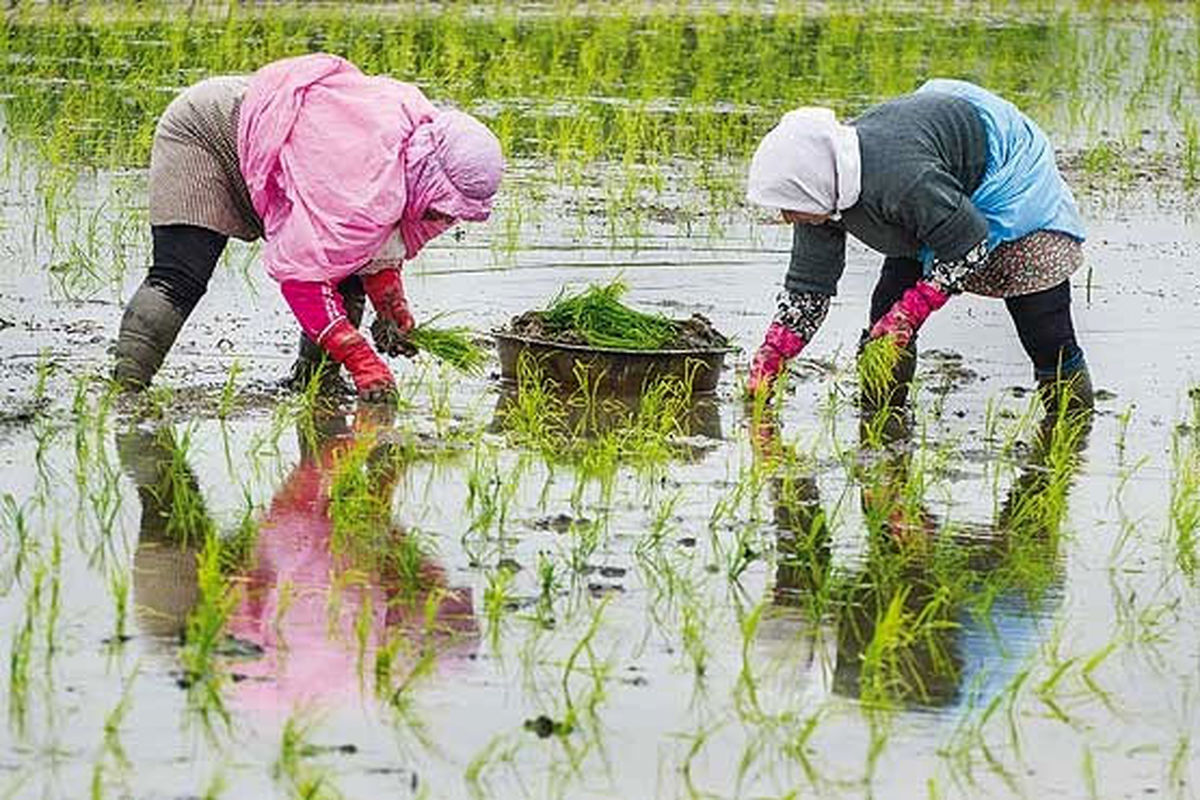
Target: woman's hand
{"x": 908, "y": 314}
{"x": 371, "y": 376}
{"x": 778, "y": 346}
{"x": 390, "y": 340}
{"x": 386, "y": 290}
{"x": 318, "y": 308}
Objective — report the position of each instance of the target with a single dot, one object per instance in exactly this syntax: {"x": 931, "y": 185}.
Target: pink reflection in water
{"x": 302, "y": 603}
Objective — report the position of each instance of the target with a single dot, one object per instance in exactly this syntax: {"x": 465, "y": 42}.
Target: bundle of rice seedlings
{"x": 598, "y": 316}
{"x": 456, "y": 346}
{"x": 876, "y": 366}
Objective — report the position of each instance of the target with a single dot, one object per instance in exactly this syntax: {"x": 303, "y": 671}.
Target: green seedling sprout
{"x": 597, "y": 315}
{"x": 876, "y": 368}
{"x": 455, "y": 346}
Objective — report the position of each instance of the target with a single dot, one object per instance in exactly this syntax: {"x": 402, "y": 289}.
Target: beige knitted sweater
{"x": 194, "y": 174}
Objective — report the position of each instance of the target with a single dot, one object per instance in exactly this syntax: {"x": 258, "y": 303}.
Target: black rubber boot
{"x": 1071, "y": 395}
{"x": 148, "y": 329}
{"x": 311, "y": 357}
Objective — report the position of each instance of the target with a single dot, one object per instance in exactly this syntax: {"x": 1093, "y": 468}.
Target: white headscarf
{"x": 808, "y": 162}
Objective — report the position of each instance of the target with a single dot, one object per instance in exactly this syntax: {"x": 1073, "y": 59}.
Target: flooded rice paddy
{"x": 223, "y": 589}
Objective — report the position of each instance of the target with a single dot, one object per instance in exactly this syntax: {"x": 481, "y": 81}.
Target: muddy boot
{"x": 148, "y": 329}
{"x": 311, "y": 357}
{"x": 1069, "y": 398}
{"x": 895, "y": 397}
{"x": 311, "y": 360}
{"x": 1071, "y": 395}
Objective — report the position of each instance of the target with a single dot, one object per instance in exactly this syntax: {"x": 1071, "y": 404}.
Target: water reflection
{"x": 329, "y": 582}
{"x": 934, "y": 613}
{"x": 584, "y": 415}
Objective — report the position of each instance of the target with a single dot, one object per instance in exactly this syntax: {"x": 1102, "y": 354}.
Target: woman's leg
{"x": 1044, "y": 326}
{"x": 183, "y": 261}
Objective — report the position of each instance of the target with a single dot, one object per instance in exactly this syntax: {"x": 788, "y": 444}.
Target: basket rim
{"x": 500, "y": 335}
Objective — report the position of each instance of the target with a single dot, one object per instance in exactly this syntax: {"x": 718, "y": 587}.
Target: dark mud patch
{"x": 544, "y": 727}
{"x": 559, "y": 523}
{"x": 695, "y": 333}
{"x": 945, "y": 371}
{"x": 24, "y": 414}
{"x": 810, "y": 369}
{"x": 208, "y": 401}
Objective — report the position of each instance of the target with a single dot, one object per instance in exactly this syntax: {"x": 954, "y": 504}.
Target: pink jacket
{"x": 337, "y": 162}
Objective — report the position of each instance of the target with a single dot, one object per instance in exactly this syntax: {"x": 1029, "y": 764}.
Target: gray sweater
{"x": 923, "y": 155}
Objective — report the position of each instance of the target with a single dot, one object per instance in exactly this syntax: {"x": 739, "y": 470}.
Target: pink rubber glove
{"x": 780, "y": 344}
{"x": 908, "y": 314}
{"x": 347, "y": 346}
{"x": 386, "y": 290}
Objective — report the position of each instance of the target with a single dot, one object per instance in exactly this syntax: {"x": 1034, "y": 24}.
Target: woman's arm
{"x": 817, "y": 262}
{"x": 318, "y": 308}
{"x": 908, "y": 314}
{"x": 385, "y": 288}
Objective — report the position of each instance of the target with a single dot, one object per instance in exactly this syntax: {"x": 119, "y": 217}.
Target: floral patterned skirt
{"x": 1033, "y": 263}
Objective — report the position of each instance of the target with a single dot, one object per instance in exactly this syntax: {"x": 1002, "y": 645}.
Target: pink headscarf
{"x": 336, "y": 160}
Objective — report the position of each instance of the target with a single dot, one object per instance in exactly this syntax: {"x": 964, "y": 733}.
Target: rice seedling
{"x": 1191, "y": 153}
{"x": 905, "y": 634}
{"x": 876, "y": 368}
{"x": 292, "y": 768}
{"x": 201, "y": 675}
{"x": 1177, "y": 768}
{"x": 549, "y": 587}
{"x": 582, "y": 706}
{"x": 358, "y": 507}
{"x": 112, "y": 756}
{"x": 118, "y": 588}
{"x": 746, "y": 688}
{"x": 228, "y": 391}
{"x": 597, "y": 316}
{"x": 497, "y": 601}
{"x": 1047, "y": 690}
{"x": 20, "y": 658}
{"x": 16, "y": 543}
{"x": 1185, "y": 498}
{"x": 455, "y": 346}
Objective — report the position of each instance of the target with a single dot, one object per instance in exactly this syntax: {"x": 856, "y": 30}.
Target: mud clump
{"x": 544, "y": 727}
{"x": 695, "y": 333}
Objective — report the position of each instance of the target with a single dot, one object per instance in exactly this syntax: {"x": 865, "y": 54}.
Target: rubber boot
{"x": 1070, "y": 396}
{"x": 896, "y": 398}
{"x": 311, "y": 357}
{"x": 148, "y": 329}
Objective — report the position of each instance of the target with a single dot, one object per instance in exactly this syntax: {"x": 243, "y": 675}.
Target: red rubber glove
{"x": 386, "y": 290}
{"x": 780, "y": 344}
{"x": 908, "y": 314}
{"x": 347, "y": 346}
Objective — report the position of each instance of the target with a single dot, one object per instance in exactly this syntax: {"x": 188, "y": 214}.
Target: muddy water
{"x": 677, "y": 677}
